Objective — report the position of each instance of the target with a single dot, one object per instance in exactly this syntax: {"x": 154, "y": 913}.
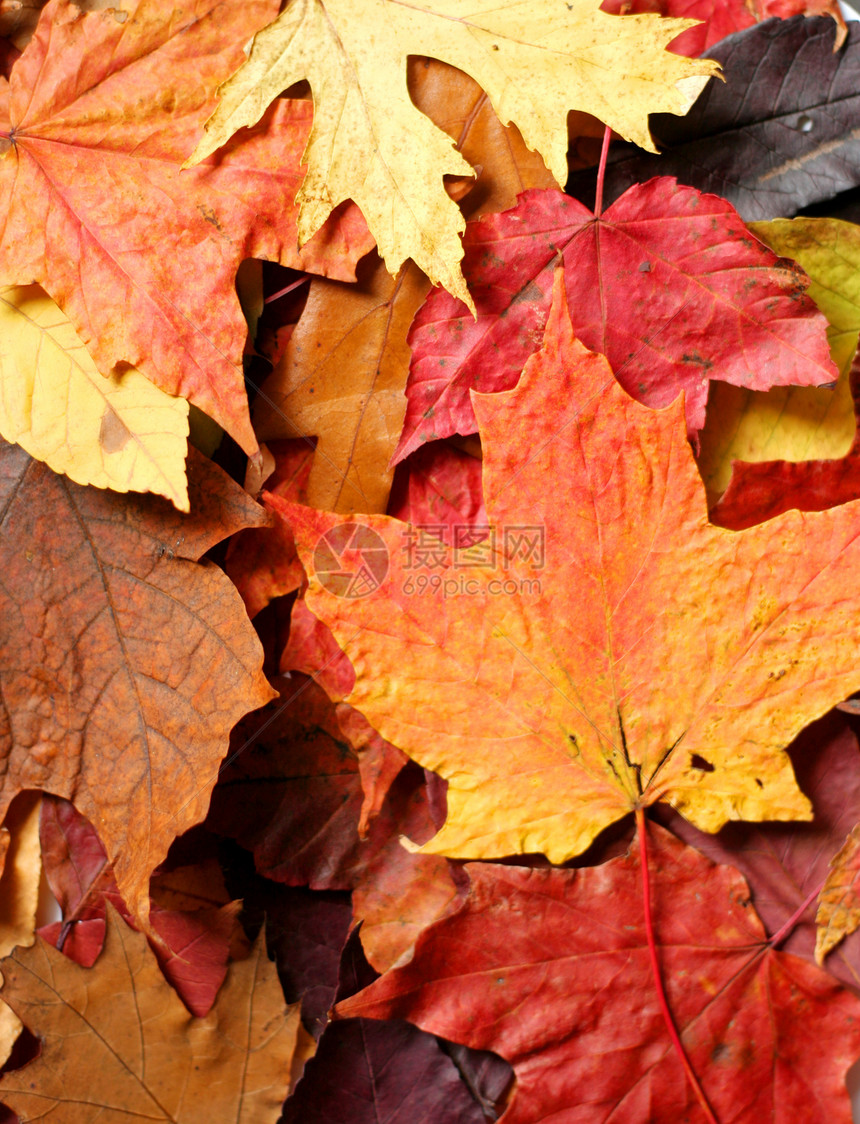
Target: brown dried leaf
{"x": 124, "y": 662}
{"x": 118, "y": 1044}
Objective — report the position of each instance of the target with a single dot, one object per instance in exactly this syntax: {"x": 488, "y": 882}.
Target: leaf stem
{"x": 601, "y": 172}
{"x": 784, "y": 930}
{"x": 288, "y": 289}
{"x": 641, "y": 830}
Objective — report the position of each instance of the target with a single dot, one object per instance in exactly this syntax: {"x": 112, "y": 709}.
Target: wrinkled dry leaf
{"x": 118, "y": 1044}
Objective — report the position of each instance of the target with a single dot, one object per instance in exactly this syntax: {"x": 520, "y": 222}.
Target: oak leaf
{"x": 769, "y": 146}
{"x": 550, "y": 968}
{"x": 370, "y": 143}
{"x": 98, "y": 114}
{"x": 117, "y": 1041}
{"x": 616, "y": 650}
{"x": 124, "y": 662}
{"x": 115, "y": 431}
{"x": 667, "y": 283}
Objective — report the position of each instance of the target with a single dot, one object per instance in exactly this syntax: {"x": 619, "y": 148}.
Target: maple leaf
{"x": 99, "y": 99}
{"x": 117, "y": 1040}
{"x": 343, "y": 372}
{"x": 617, "y": 649}
{"x": 769, "y": 146}
{"x": 119, "y": 431}
{"x": 667, "y": 283}
{"x": 192, "y": 931}
{"x": 369, "y": 142}
{"x": 125, "y": 662}
{"x": 517, "y": 970}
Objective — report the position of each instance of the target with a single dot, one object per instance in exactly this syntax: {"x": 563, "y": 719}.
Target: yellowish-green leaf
{"x": 536, "y": 60}
{"x": 120, "y": 432}
{"x": 794, "y": 423}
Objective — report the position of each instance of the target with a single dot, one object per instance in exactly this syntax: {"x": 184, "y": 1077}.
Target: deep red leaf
{"x": 668, "y": 284}
{"x": 783, "y": 863}
{"x": 293, "y": 796}
{"x": 366, "y": 1072}
{"x": 194, "y": 942}
{"x": 550, "y": 968}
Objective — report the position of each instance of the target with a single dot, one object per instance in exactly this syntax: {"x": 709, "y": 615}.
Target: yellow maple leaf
{"x": 536, "y": 61}
{"x": 119, "y": 431}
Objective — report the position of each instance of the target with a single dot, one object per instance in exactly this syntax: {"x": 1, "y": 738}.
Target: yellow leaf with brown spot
{"x": 118, "y": 431}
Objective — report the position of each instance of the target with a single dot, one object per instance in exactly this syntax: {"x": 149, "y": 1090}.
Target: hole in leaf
{"x": 698, "y": 762}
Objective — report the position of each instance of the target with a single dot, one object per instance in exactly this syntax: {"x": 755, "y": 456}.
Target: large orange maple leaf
{"x": 652, "y": 657}
{"x": 100, "y": 111}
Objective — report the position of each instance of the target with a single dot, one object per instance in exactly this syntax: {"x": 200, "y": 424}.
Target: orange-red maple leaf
{"x": 613, "y": 649}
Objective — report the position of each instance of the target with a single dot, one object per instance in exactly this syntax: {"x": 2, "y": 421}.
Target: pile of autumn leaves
{"x": 515, "y": 644}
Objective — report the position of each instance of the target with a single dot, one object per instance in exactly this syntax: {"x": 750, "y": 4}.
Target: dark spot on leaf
{"x": 700, "y": 763}
{"x": 210, "y": 217}
{"x": 530, "y": 292}
{"x": 113, "y": 433}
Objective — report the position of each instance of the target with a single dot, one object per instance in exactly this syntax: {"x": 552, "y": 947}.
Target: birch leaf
{"x": 117, "y": 431}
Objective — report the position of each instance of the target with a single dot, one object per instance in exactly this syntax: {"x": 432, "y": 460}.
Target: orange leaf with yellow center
{"x": 98, "y": 114}
{"x": 634, "y": 654}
